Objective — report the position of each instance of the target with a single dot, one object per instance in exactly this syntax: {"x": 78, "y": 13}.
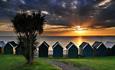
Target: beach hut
{"x": 113, "y": 51}
{"x": 109, "y": 46}
{"x": 8, "y": 48}
{"x": 57, "y": 50}
{"x": 99, "y": 49}
{"x": 72, "y": 50}
{"x": 2, "y": 44}
{"x": 43, "y": 50}
{"x": 109, "y": 52}
{"x": 86, "y": 50}
{"x": 0, "y": 50}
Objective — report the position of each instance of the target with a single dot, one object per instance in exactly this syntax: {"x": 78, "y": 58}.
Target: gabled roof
{"x": 57, "y": 43}
{"x": 70, "y": 45}
{"x": 2, "y": 43}
{"x": 84, "y": 44}
{"x": 113, "y": 46}
{"x": 97, "y": 44}
{"x": 44, "y": 43}
{"x": 13, "y": 43}
{"x": 109, "y": 44}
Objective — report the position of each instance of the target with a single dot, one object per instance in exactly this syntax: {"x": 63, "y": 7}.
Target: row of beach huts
{"x": 72, "y": 51}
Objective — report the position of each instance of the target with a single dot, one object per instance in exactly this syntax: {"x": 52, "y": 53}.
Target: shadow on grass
{"x": 12, "y": 62}
{"x": 41, "y": 65}
{"x": 25, "y": 66}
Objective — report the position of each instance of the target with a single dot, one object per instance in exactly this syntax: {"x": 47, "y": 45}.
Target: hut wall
{"x": 43, "y": 51}
{"x": 58, "y": 51}
{"x": 87, "y": 52}
{"x": 73, "y": 52}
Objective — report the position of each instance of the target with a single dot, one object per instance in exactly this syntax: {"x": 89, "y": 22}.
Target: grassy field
{"x": 10, "y": 62}
{"x": 97, "y": 63}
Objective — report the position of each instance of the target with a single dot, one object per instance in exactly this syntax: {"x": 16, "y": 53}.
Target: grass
{"x": 11, "y": 62}
{"x": 97, "y": 63}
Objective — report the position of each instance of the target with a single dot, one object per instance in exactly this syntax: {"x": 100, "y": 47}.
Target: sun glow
{"x": 79, "y": 30}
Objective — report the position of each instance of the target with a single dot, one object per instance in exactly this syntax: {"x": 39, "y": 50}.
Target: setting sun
{"x": 79, "y": 30}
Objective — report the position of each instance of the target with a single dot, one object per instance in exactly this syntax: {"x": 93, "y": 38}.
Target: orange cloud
{"x": 59, "y": 30}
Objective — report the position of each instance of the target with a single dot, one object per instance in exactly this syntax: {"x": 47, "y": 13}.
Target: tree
{"x": 27, "y": 25}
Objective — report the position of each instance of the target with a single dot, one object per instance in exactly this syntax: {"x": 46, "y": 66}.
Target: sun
{"x": 79, "y": 30}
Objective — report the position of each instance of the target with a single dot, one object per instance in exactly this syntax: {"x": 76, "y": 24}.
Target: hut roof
{"x": 44, "y": 43}
{"x": 2, "y": 43}
{"x": 113, "y": 46}
{"x": 97, "y": 44}
{"x": 70, "y": 45}
{"x": 57, "y": 43}
{"x": 84, "y": 44}
{"x": 109, "y": 44}
{"x": 13, "y": 43}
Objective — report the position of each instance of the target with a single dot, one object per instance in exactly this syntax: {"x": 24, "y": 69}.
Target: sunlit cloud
{"x": 63, "y": 4}
{"x": 4, "y": 0}
{"x": 105, "y": 2}
{"x": 52, "y": 28}
{"x": 45, "y": 12}
{"x": 22, "y": 1}
{"x": 6, "y": 27}
{"x": 74, "y": 4}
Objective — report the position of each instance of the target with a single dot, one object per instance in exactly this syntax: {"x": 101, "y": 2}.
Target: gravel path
{"x": 67, "y": 66}
{"x": 64, "y": 66}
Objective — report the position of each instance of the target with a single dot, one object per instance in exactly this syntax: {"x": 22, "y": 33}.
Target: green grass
{"x": 97, "y": 63}
{"x": 11, "y": 62}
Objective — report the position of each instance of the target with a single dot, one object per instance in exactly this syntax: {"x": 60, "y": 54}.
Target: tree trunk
{"x": 30, "y": 51}
{"x": 30, "y": 60}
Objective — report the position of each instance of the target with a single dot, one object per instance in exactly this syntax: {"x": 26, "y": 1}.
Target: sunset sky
{"x": 65, "y": 17}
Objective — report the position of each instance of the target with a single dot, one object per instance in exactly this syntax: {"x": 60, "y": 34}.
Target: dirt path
{"x": 67, "y": 66}
{"x": 64, "y": 66}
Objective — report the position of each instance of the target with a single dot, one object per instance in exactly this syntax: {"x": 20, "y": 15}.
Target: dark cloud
{"x": 63, "y": 12}
{"x": 106, "y": 17}
{"x": 108, "y": 13}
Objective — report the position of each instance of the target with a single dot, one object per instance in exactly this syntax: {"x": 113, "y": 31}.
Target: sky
{"x": 65, "y": 17}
